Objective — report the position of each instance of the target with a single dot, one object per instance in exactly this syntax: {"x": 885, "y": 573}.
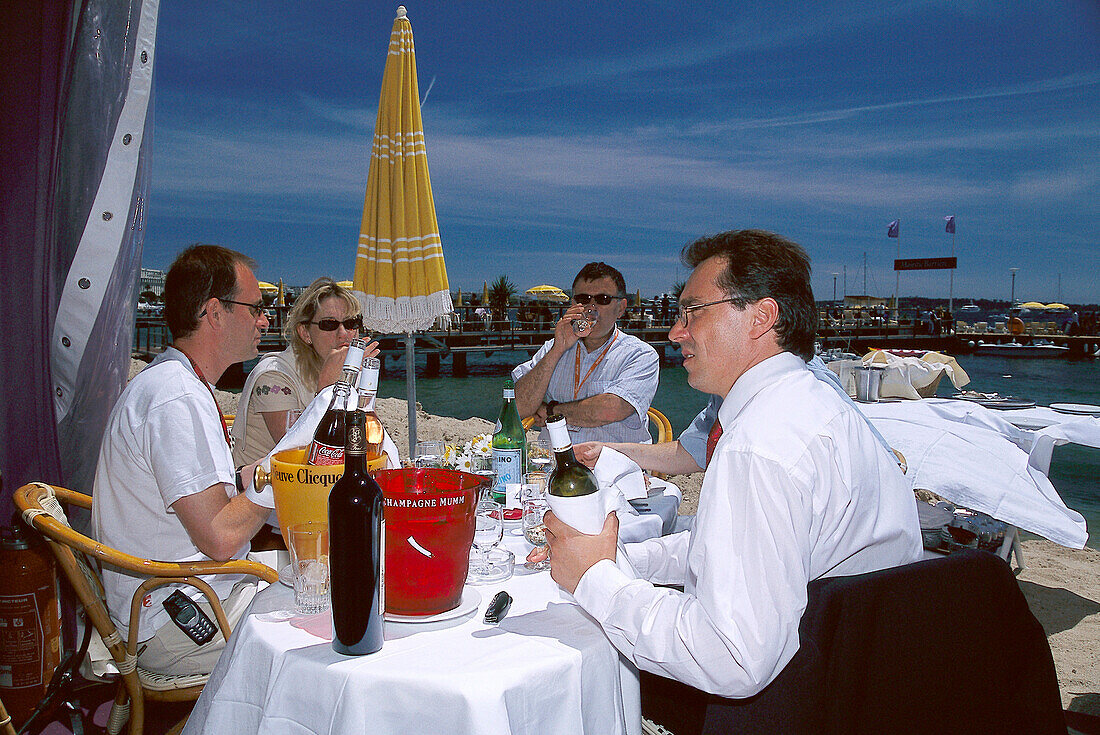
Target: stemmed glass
{"x": 488, "y": 532}
{"x": 429, "y": 453}
{"x": 538, "y": 455}
{"x": 534, "y": 508}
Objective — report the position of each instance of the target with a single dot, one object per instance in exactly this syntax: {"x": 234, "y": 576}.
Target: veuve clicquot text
{"x": 570, "y": 478}
{"x": 357, "y": 555}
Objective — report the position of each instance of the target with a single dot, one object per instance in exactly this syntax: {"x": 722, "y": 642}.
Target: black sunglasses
{"x": 601, "y": 298}
{"x": 354, "y": 324}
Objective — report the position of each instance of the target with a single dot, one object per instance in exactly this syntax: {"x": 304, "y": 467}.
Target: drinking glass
{"x": 585, "y": 322}
{"x": 488, "y": 532}
{"x": 534, "y": 508}
{"x": 539, "y": 456}
{"x": 309, "y": 561}
{"x": 429, "y": 453}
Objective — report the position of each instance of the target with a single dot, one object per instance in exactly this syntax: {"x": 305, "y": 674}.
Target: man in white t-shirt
{"x": 165, "y": 486}
{"x": 796, "y": 488}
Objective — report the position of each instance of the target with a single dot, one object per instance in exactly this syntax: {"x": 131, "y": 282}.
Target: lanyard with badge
{"x": 198, "y": 373}
{"x": 578, "y": 382}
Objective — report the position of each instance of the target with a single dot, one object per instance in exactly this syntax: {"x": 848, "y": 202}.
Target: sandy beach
{"x": 1061, "y": 585}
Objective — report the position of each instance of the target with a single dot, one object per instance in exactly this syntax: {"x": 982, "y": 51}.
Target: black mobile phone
{"x": 190, "y": 618}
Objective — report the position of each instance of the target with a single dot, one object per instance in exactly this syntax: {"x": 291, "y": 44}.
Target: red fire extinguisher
{"x": 30, "y": 619}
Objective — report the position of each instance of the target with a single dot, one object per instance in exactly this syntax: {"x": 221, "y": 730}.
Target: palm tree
{"x": 677, "y": 289}
{"x": 500, "y": 295}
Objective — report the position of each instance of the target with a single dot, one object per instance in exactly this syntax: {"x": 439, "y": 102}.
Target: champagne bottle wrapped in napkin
{"x": 620, "y": 480}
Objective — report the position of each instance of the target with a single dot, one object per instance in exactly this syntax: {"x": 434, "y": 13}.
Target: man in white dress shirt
{"x": 600, "y": 379}
{"x": 796, "y": 488}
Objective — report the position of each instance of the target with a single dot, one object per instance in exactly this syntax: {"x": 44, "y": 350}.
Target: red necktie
{"x": 712, "y": 438}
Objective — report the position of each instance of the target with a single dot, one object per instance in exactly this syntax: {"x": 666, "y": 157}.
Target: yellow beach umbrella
{"x": 345, "y": 284}
{"x": 268, "y": 287}
{"x": 547, "y": 293}
{"x": 400, "y": 277}
{"x": 1032, "y": 305}
{"x": 281, "y": 299}
{"x": 1057, "y": 307}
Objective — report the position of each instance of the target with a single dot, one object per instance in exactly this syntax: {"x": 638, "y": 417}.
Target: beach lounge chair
{"x": 930, "y": 647}
{"x": 80, "y": 558}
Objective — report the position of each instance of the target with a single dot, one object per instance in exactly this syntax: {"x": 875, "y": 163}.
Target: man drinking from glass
{"x": 599, "y": 378}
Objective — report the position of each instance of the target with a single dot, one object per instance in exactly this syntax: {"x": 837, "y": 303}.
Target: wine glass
{"x": 429, "y": 453}
{"x": 534, "y": 530}
{"x": 488, "y": 532}
{"x": 538, "y": 455}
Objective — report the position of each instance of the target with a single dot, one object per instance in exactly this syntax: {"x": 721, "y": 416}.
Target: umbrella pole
{"x": 410, "y": 388}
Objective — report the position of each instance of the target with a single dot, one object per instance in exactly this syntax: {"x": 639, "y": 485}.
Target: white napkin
{"x": 915, "y": 377}
{"x": 615, "y": 469}
{"x": 588, "y": 513}
{"x": 301, "y": 434}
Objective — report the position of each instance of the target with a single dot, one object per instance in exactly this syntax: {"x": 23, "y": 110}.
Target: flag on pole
{"x": 950, "y": 224}
{"x": 892, "y": 228}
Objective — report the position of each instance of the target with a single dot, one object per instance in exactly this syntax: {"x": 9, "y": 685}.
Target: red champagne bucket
{"x": 429, "y": 530}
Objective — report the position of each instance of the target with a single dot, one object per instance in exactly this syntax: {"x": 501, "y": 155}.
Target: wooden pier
{"x": 454, "y": 345}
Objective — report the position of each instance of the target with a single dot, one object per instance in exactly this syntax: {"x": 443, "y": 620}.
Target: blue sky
{"x": 560, "y": 133}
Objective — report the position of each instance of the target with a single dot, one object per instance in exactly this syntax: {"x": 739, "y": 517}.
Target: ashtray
{"x": 499, "y": 565}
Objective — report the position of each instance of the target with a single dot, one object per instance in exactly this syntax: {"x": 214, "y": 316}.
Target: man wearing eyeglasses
{"x": 600, "y": 378}
{"x": 165, "y": 486}
{"x": 796, "y": 488}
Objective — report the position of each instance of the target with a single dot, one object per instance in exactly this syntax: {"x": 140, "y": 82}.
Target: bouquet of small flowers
{"x": 469, "y": 457}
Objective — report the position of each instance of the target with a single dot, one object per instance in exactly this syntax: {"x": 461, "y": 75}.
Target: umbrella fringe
{"x": 404, "y": 314}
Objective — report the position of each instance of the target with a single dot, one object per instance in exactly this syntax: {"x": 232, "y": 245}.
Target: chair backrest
{"x": 656, "y": 418}
{"x": 890, "y": 651}
{"x": 79, "y": 558}
{"x": 664, "y": 426}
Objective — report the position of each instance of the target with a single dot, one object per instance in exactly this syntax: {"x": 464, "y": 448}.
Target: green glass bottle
{"x": 570, "y": 478}
{"x": 509, "y": 447}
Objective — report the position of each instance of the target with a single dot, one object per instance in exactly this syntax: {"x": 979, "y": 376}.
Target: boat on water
{"x": 970, "y": 309}
{"x": 1015, "y": 349}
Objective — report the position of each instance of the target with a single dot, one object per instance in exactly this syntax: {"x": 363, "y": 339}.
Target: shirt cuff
{"x": 598, "y": 586}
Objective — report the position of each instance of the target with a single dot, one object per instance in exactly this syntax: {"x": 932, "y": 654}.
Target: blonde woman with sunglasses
{"x": 319, "y": 327}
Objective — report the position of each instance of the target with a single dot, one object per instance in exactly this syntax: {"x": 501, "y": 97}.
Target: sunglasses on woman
{"x": 354, "y": 324}
{"x": 601, "y": 298}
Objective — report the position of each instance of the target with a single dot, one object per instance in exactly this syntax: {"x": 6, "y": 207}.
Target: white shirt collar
{"x": 752, "y": 381}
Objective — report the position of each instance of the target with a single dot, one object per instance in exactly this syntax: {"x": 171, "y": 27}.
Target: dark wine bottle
{"x": 570, "y": 478}
{"x": 327, "y": 447}
{"x": 357, "y": 555}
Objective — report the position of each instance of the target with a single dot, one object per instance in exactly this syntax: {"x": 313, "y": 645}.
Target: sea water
{"x": 1074, "y": 471}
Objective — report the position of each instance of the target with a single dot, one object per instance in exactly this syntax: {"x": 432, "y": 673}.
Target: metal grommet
{"x": 84, "y": 283}
{"x": 65, "y": 341}
{"x": 58, "y": 392}
{"x": 107, "y": 216}
{"x": 126, "y": 139}
{"x": 144, "y": 57}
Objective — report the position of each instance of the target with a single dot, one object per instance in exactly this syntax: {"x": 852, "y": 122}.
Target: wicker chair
{"x": 80, "y": 558}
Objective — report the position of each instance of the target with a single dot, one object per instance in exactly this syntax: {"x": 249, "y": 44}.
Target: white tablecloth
{"x": 546, "y": 669}
{"x": 977, "y": 457}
